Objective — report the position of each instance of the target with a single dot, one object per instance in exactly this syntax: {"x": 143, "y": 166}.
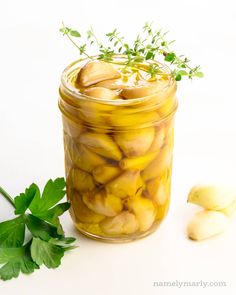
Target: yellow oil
{"x": 130, "y": 145}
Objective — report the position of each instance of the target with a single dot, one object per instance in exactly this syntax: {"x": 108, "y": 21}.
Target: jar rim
{"x": 75, "y": 92}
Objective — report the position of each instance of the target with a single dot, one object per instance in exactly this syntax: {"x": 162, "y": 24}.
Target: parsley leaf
{"x": 23, "y": 201}
{"x": 52, "y": 215}
{"x": 7, "y": 254}
{"x": 12, "y": 232}
{"x": 47, "y": 243}
{"x": 64, "y": 242}
{"x": 52, "y": 194}
{"x": 16, "y": 260}
{"x": 46, "y": 253}
{"x": 40, "y": 228}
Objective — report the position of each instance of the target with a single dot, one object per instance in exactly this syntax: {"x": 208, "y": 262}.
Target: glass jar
{"x": 118, "y": 158}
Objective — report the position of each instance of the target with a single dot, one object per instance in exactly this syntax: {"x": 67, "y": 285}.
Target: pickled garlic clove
{"x": 167, "y": 106}
{"x": 159, "y": 164}
{"x": 206, "y": 224}
{"x": 72, "y": 128}
{"x": 136, "y": 142}
{"x": 112, "y": 84}
{"x": 159, "y": 139}
{"x": 144, "y": 210}
{"x": 142, "y": 90}
{"x": 123, "y": 223}
{"x": 138, "y": 163}
{"x": 96, "y": 71}
{"x": 83, "y": 158}
{"x": 93, "y": 112}
{"x": 80, "y": 212}
{"x": 169, "y": 127}
{"x": 212, "y": 197}
{"x": 80, "y": 180}
{"x": 158, "y": 190}
{"x": 100, "y": 92}
{"x": 89, "y": 228}
{"x": 101, "y": 144}
{"x": 127, "y": 184}
{"x": 105, "y": 173}
{"x": 103, "y": 203}
{"x": 162, "y": 211}
{"x": 132, "y": 121}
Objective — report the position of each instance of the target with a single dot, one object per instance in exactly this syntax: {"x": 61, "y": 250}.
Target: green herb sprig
{"x": 46, "y": 243}
{"x": 150, "y": 45}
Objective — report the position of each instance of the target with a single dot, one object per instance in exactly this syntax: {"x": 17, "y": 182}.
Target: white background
{"x": 32, "y": 56}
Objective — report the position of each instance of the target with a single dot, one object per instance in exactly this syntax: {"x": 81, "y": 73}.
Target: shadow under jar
{"x": 118, "y": 158}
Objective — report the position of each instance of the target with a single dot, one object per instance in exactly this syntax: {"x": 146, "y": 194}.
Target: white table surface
{"x": 32, "y": 56}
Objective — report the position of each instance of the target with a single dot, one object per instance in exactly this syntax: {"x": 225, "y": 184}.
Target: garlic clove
{"x": 96, "y": 71}
{"x": 101, "y": 144}
{"x": 123, "y": 223}
{"x": 100, "y": 92}
{"x": 103, "y": 203}
{"x": 137, "y": 91}
{"x": 206, "y": 224}
{"x": 135, "y": 143}
{"x": 212, "y": 197}
{"x": 112, "y": 84}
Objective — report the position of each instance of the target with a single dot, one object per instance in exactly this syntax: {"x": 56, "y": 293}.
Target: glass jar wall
{"x": 118, "y": 158}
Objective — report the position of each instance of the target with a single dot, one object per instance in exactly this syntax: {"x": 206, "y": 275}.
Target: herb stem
{"x": 95, "y": 37}
{"x": 134, "y": 66}
{"x": 179, "y": 60}
{"x": 77, "y": 46}
{"x": 7, "y": 196}
{"x": 153, "y": 44}
{"x": 69, "y": 37}
{"x": 115, "y": 36}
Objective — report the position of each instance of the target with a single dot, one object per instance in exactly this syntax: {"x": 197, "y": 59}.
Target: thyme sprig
{"x": 151, "y": 45}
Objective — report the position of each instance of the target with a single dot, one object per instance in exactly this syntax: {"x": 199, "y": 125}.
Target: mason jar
{"x": 118, "y": 158}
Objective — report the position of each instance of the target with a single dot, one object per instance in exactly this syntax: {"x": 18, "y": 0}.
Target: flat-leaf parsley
{"x": 39, "y": 214}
